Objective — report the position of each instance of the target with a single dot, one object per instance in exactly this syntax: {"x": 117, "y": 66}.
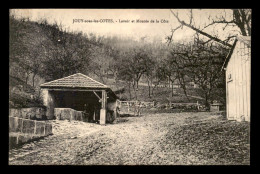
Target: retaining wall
{"x": 27, "y": 124}
{"x": 29, "y": 113}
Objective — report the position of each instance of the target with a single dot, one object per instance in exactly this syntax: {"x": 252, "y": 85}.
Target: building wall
{"x": 48, "y": 101}
{"x": 238, "y": 83}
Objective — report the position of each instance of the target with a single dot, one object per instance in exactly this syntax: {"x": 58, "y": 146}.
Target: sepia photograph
{"x": 129, "y": 87}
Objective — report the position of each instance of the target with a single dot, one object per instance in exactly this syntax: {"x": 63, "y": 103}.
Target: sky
{"x": 135, "y": 30}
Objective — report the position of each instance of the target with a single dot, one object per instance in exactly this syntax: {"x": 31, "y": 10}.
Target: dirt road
{"x": 156, "y": 139}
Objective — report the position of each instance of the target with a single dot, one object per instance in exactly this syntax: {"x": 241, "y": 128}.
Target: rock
{"x": 57, "y": 113}
{"x": 33, "y": 113}
{"x": 15, "y": 124}
{"x": 40, "y": 113}
{"x": 40, "y": 128}
{"x": 13, "y": 141}
{"x": 28, "y": 113}
{"x": 48, "y": 129}
{"x": 15, "y": 113}
{"x": 64, "y": 113}
{"x": 73, "y": 114}
{"x": 28, "y": 126}
{"x": 79, "y": 115}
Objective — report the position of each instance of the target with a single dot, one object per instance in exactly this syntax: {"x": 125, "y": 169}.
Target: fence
{"x": 135, "y": 107}
{"x": 186, "y": 105}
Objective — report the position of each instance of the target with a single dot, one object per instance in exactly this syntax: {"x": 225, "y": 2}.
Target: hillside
{"x": 41, "y": 52}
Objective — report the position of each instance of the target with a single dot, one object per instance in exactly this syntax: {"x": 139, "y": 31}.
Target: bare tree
{"x": 240, "y": 18}
{"x": 200, "y": 63}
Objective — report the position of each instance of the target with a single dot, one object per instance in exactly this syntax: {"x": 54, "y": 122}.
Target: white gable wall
{"x": 238, "y": 83}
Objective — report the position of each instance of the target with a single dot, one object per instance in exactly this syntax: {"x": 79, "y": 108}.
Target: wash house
{"x": 80, "y": 93}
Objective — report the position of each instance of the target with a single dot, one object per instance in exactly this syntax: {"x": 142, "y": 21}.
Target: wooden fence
{"x": 134, "y": 107}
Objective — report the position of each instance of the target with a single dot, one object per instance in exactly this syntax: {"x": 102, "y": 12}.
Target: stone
{"x": 57, "y": 113}
{"x": 73, "y": 114}
{"x": 27, "y": 113}
{"x": 48, "y": 101}
{"x": 79, "y": 115}
{"x": 65, "y": 114}
{"x": 48, "y": 128}
{"x": 102, "y": 116}
{"x": 40, "y": 128}
{"x": 40, "y": 113}
{"x": 28, "y": 126}
{"x": 15, "y": 113}
{"x": 13, "y": 140}
{"x": 15, "y": 124}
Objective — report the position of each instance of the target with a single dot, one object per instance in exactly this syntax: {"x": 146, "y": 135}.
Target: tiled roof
{"x": 75, "y": 81}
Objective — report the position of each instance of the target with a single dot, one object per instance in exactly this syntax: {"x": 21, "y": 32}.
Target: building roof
{"x": 245, "y": 39}
{"x": 75, "y": 81}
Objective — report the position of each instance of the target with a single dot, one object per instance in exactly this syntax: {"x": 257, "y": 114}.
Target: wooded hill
{"x": 41, "y": 52}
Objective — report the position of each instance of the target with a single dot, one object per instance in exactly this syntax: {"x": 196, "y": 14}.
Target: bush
{"x": 22, "y": 101}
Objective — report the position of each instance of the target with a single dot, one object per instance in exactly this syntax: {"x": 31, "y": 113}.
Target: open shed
{"x": 238, "y": 79}
{"x": 78, "y": 92}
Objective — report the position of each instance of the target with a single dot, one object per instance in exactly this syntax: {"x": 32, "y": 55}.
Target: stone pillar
{"x": 48, "y": 101}
{"x": 103, "y": 116}
{"x": 103, "y": 109}
{"x": 112, "y": 106}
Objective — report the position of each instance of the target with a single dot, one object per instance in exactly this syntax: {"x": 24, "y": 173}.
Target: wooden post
{"x": 103, "y": 109}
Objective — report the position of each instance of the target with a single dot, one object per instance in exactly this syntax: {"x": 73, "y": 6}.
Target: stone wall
{"x": 27, "y": 124}
{"x": 29, "y": 113}
{"x": 68, "y": 114}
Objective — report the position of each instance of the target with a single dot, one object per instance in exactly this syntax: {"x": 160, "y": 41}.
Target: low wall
{"x": 27, "y": 124}
{"x": 24, "y": 130}
{"x": 34, "y": 113}
{"x": 68, "y": 114}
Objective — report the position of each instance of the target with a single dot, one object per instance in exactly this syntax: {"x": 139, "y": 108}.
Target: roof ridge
{"x": 92, "y": 79}
{"x": 72, "y": 76}
{"x": 57, "y": 80}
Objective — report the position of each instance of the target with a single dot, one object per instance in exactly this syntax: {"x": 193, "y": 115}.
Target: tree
{"x": 200, "y": 63}
{"x": 134, "y": 65}
{"x": 236, "y": 19}
{"x": 65, "y": 53}
{"x": 19, "y": 53}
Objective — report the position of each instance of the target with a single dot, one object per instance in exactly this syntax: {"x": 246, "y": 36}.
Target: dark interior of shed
{"x": 85, "y": 101}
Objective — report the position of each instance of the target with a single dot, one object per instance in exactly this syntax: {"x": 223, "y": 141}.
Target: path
{"x": 150, "y": 139}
